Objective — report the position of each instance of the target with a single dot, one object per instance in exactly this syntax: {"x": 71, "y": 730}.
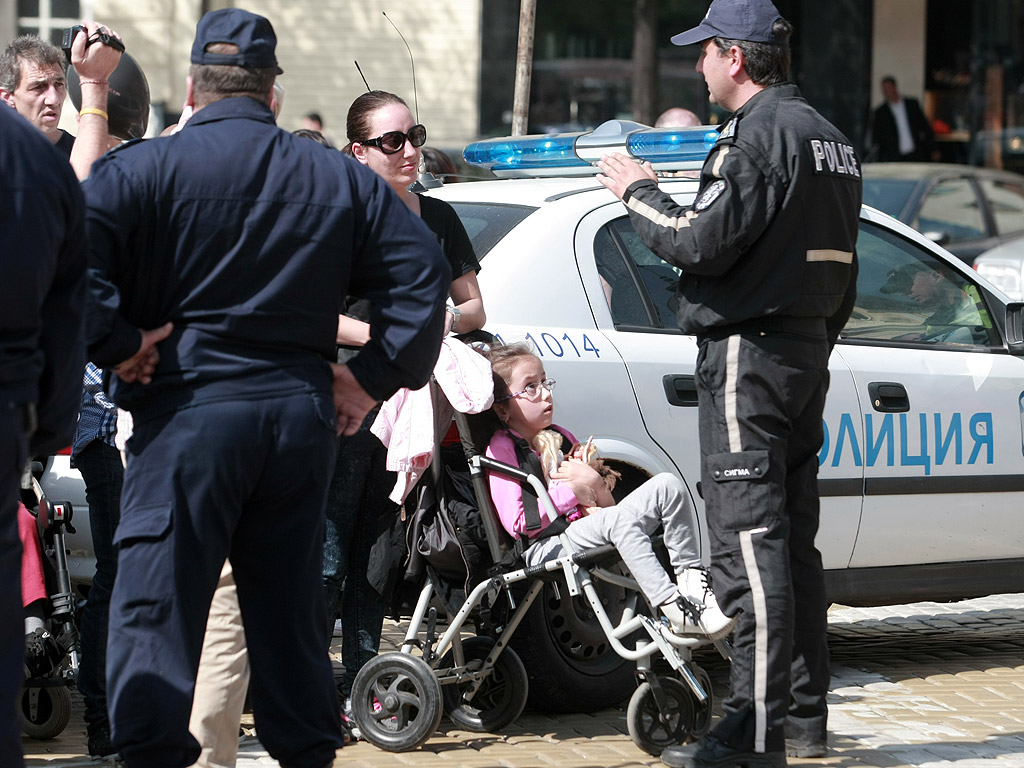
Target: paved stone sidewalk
{"x": 928, "y": 685}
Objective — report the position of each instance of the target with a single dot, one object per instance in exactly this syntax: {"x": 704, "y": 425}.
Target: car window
{"x": 906, "y": 294}
{"x": 1006, "y": 201}
{"x": 640, "y": 288}
{"x": 951, "y": 206}
{"x": 888, "y": 195}
{"x": 488, "y": 223}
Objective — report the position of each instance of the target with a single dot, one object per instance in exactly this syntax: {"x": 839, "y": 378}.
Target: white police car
{"x": 922, "y": 468}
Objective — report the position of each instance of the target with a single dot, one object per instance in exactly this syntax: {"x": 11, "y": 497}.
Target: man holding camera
{"x": 33, "y": 82}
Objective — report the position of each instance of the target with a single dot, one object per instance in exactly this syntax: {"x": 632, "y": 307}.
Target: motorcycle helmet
{"x": 127, "y": 100}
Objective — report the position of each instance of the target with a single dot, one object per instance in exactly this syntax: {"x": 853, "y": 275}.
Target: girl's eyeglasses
{"x": 532, "y": 391}
{"x": 391, "y": 142}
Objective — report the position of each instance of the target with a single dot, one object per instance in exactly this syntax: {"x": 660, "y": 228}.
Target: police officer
{"x": 42, "y": 353}
{"x": 768, "y": 280}
{"x": 234, "y": 243}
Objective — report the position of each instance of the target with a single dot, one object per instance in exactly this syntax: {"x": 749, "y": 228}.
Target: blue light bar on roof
{"x": 527, "y": 155}
{"x": 574, "y": 154}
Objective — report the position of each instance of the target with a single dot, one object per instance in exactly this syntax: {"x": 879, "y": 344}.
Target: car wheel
{"x": 569, "y": 661}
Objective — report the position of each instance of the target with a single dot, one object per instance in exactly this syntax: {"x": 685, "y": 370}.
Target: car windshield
{"x": 488, "y": 223}
{"x": 888, "y": 195}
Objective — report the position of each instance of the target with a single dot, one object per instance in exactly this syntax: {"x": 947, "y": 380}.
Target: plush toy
{"x": 549, "y": 443}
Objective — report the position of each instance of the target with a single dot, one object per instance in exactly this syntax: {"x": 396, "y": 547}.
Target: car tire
{"x": 570, "y": 664}
{"x": 569, "y": 661}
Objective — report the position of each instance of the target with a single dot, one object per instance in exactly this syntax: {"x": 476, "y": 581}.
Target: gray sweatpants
{"x": 661, "y": 501}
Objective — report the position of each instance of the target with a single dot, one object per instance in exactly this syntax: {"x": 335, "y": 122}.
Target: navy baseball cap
{"x": 253, "y": 35}
{"x": 749, "y": 20}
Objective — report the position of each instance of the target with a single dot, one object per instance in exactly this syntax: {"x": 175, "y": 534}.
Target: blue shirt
{"x": 248, "y": 238}
{"x": 97, "y": 420}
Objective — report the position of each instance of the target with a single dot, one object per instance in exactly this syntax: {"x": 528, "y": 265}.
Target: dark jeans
{"x": 100, "y": 465}
{"x": 359, "y": 514}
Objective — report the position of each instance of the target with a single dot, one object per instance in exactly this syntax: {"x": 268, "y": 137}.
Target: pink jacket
{"x": 507, "y": 494}
{"x": 405, "y": 423}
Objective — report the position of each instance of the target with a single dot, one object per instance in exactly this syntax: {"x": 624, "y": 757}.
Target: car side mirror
{"x": 1015, "y": 327}
{"x": 937, "y": 236}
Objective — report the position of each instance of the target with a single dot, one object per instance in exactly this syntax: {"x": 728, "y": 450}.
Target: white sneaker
{"x": 695, "y": 588}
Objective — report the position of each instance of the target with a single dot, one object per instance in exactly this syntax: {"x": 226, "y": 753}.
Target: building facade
{"x": 964, "y": 61}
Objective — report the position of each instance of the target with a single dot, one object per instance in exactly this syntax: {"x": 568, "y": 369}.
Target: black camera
{"x": 102, "y": 37}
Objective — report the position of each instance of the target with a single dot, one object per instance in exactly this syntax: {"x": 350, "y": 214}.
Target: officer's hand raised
{"x": 619, "y": 171}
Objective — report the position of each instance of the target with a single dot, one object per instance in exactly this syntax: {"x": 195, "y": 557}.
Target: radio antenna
{"x": 368, "y": 88}
{"x": 412, "y": 62}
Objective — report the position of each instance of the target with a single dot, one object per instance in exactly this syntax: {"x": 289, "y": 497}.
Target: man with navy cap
{"x": 768, "y": 281}
{"x": 218, "y": 260}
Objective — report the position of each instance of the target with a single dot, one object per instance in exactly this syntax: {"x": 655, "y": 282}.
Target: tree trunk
{"x": 645, "y": 61}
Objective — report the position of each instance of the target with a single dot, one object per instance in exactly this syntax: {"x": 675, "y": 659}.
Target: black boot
{"x": 709, "y": 752}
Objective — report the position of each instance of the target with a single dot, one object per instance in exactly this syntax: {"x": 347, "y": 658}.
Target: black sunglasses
{"x": 391, "y": 142}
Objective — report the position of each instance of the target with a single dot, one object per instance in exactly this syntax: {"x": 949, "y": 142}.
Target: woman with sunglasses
{"x": 384, "y": 137}
{"x": 358, "y": 548}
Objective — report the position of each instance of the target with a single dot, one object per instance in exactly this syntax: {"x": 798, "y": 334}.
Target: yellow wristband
{"x": 93, "y": 111}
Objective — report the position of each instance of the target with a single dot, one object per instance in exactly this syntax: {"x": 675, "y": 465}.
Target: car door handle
{"x": 680, "y": 389}
{"x": 888, "y": 397}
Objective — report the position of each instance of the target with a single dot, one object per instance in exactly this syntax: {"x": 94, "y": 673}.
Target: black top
{"x": 42, "y": 291}
{"x": 65, "y": 143}
{"x": 445, "y": 223}
{"x": 248, "y": 238}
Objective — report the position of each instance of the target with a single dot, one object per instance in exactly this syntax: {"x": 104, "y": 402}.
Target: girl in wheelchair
{"x": 581, "y": 489}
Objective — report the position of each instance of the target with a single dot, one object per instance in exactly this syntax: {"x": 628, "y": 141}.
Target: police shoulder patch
{"x": 728, "y": 130}
{"x": 711, "y": 193}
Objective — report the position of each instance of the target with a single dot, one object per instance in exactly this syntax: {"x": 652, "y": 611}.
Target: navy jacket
{"x": 42, "y": 281}
{"x": 247, "y": 239}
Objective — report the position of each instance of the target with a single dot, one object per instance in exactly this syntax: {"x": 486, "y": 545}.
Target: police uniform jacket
{"x": 42, "y": 282}
{"x": 248, "y": 238}
{"x": 772, "y": 231}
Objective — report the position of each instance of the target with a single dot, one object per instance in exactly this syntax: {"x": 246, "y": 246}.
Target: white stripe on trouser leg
{"x": 732, "y": 364}
{"x": 760, "y": 637}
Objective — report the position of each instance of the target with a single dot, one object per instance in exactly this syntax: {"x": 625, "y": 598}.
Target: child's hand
{"x": 577, "y": 470}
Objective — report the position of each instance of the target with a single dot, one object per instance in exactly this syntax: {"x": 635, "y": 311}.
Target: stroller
{"x": 475, "y": 677}
{"x": 46, "y": 697}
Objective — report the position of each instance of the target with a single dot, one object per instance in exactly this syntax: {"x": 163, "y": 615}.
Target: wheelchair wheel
{"x": 396, "y": 702}
{"x": 643, "y": 720}
{"x": 702, "y": 712}
{"x": 45, "y": 710}
{"x": 501, "y": 696}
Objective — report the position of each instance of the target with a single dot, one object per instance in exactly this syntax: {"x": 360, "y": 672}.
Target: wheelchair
{"x": 455, "y": 657}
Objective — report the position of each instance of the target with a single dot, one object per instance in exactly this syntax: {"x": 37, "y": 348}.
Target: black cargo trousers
{"x": 761, "y": 394}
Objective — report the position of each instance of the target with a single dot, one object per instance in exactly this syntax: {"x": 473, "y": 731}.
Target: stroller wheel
{"x": 45, "y": 710}
{"x": 702, "y": 714}
{"x": 396, "y": 702}
{"x": 643, "y": 719}
{"x": 501, "y": 696}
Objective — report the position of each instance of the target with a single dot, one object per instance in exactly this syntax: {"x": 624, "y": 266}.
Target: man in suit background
{"x": 899, "y": 129}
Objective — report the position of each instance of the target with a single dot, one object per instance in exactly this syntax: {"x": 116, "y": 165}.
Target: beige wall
{"x": 899, "y": 46}
{"x": 318, "y": 40}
